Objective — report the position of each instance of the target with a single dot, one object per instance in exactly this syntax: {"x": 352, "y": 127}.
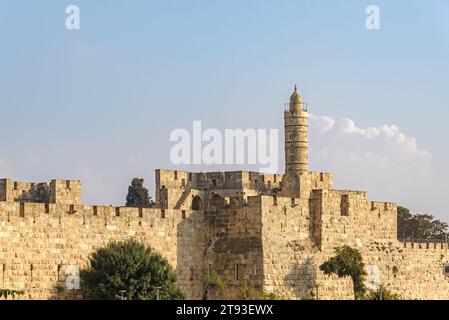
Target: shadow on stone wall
{"x": 302, "y": 280}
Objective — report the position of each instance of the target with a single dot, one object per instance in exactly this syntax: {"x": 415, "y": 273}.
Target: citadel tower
{"x": 296, "y": 146}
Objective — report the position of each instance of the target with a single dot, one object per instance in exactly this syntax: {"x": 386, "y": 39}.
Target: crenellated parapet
{"x": 56, "y": 191}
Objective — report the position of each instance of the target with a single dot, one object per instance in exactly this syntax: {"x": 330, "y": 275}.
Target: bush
{"x": 130, "y": 266}
{"x": 382, "y": 294}
{"x": 7, "y": 292}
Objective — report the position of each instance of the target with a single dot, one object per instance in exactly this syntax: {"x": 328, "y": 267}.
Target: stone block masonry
{"x": 264, "y": 233}
{"x": 38, "y": 242}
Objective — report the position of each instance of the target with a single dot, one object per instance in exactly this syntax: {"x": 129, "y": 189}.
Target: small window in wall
{"x": 163, "y": 214}
{"x": 344, "y": 205}
{"x": 140, "y": 212}
{"x": 293, "y": 202}
{"x": 263, "y": 178}
{"x": 71, "y": 208}
{"x": 321, "y": 176}
{"x": 214, "y": 182}
{"x": 183, "y": 182}
{"x": 59, "y": 271}
{"x": 176, "y": 175}
{"x": 275, "y": 201}
{"x": 197, "y": 204}
{"x": 190, "y": 176}
{"x": 95, "y": 209}
{"x": 67, "y": 184}
{"x": 386, "y": 206}
{"x": 183, "y": 214}
{"x": 236, "y": 272}
{"x": 117, "y": 212}
{"x": 15, "y": 185}
{"x": 47, "y": 208}
{"x": 269, "y": 184}
{"x": 274, "y": 178}
{"x": 22, "y": 209}
{"x": 446, "y": 269}
{"x": 32, "y": 186}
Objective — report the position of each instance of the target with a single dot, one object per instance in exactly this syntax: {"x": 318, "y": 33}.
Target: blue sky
{"x": 99, "y": 103}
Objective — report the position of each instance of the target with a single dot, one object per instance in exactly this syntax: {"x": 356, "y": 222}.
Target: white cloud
{"x": 382, "y": 160}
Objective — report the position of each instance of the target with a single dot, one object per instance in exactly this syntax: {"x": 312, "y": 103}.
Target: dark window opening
{"x": 47, "y": 208}
{"x": 344, "y": 205}
{"x": 22, "y": 209}
{"x": 197, "y": 204}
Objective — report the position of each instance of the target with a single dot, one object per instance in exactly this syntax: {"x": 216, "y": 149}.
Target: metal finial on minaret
{"x": 295, "y": 86}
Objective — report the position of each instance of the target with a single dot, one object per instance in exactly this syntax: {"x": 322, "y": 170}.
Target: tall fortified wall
{"x": 299, "y": 235}
{"x": 42, "y": 243}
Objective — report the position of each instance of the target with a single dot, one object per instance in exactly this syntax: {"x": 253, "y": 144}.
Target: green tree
{"x": 382, "y": 294}
{"x": 130, "y": 266}
{"x": 348, "y": 262}
{"x": 137, "y": 194}
{"x": 7, "y": 292}
{"x": 420, "y": 226}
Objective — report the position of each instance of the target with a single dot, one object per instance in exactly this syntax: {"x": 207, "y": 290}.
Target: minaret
{"x": 296, "y": 146}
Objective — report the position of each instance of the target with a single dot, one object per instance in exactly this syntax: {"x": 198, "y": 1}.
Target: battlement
{"x": 216, "y": 180}
{"x": 321, "y": 180}
{"x": 426, "y": 245}
{"x": 174, "y": 187}
{"x": 35, "y": 213}
{"x": 56, "y": 191}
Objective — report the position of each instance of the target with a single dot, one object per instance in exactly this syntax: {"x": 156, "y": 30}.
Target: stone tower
{"x": 296, "y": 148}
